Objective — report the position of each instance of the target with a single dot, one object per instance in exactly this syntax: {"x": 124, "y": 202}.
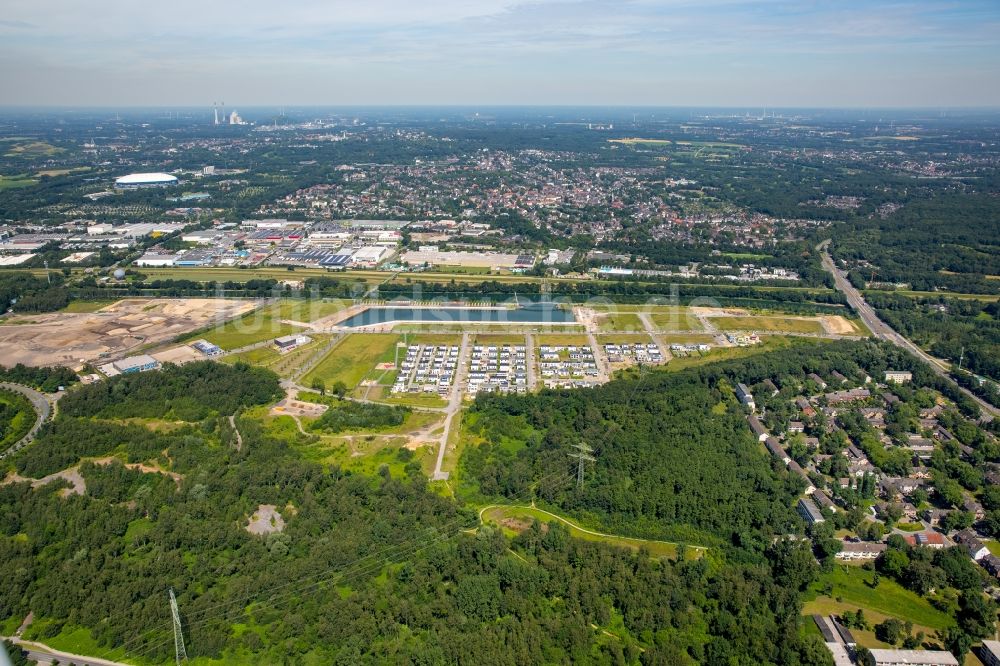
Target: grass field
{"x": 479, "y": 328}
{"x": 309, "y": 309}
{"x": 640, "y": 142}
{"x": 251, "y": 328}
{"x": 675, "y": 319}
{"x": 354, "y": 358}
{"x": 555, "y": 339}
{"x": 766, "y": 323}
{"x": 497, "y": 339}
{"x": 76, "y": 640}
{"x": 262, "y": 356}
{"x": 624, "y": 338}
{"x": 687, "y": 338}
{"x": 87, "y": 306}
{"x": 34, "y": 149}
{"x": 284, "y": 364}
{"x": 434, "y": 339}
{"x": 852, "y": 586}
{"x": 497, "y": 514}
{"x": 11, "y": 182}
{"x": 52, "y": 173}
{"x": 361, "y": 451}
{"x": 620, "y": 321}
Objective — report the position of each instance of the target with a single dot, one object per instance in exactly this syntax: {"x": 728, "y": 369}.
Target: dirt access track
{"x": 61, "y": 338}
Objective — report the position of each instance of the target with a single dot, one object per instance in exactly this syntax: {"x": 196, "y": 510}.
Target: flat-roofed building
{"x": 912, "y": 658}
{"x": 155, "y": 260}
{"x": 989, "y": 653}
{"x": 898, "y": 376}
{"x": 852, "y": 551}
{"x": 289, "y": 342}
{"x": 745, "y": 396}
{"x": 140, "y": 363}
{"x": 809, "y": 511}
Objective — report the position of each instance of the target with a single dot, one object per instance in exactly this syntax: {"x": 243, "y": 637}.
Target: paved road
{"x": 43, "y": 408}
{"x": 454, "y": 406}
{"x": 651, "y": 331}
{"x": 883, "y": 331}
{"x": 43, "y": 654}
{"x": 529, "y": 354}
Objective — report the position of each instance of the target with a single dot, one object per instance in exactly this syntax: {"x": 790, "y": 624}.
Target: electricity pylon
{"x": 179, "y": 650}
{"x": 583, "y": 456}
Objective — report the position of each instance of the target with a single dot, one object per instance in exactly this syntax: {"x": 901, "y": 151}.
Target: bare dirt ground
{"x": 61, "y": 338}
{"x": 838, "y": 325}
{"x": 290, "y": 407}
{"x": 142, "y": 467}
{"x": 179, "y": 355}
{"x": 266, "y": 520}
{"x": 72, "y": 475}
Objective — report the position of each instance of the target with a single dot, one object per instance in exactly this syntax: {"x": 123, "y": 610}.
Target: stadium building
{"x": 137, "y": 180}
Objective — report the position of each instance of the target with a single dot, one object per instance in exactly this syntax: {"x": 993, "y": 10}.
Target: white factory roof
{"x": 916, "y": 657}
{"x": 145, "y": 179}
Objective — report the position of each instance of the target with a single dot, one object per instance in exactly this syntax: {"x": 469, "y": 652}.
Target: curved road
{"x": 883, "y": 331}
{"x": 43, "y": 654}
{"x": 43, "y": 408}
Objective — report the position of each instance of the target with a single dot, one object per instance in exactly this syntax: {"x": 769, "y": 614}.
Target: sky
{"x": 768, "y": 53}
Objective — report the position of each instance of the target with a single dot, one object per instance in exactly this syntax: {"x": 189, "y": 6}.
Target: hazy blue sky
{"x": 939, "y": 53}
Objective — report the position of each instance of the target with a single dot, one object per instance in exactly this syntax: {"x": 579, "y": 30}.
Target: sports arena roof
{"x": 146, "y": 179}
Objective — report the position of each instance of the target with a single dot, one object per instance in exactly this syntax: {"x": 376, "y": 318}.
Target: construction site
{"x": 72, "y": 339}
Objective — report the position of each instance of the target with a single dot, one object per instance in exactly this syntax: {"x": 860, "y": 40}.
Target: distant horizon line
{"x": 757, "y": 107}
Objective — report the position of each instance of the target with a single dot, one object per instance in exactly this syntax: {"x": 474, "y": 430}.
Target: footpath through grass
{"x": 508, "y": 515}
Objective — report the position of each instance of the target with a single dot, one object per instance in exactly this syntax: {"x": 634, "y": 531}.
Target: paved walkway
{"x": 454, "y": 406}
{"x": 650, "y": 327}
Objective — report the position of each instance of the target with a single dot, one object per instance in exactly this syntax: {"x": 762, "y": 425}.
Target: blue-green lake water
{"x": 526, "y": 314}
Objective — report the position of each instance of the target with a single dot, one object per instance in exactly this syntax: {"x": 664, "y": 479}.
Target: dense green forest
{"x": 664, "y": 469}
{"x": 189, "y": 392}
{"x": 16, "y": 417}
{"x": 378, "y": 569}
{"x": 949, "y": 242}
{"x": 950, "y": 328}
{"x": 347, "y": 414}
{"x": 23, "y": 292}
{"x": 47, "y": 379}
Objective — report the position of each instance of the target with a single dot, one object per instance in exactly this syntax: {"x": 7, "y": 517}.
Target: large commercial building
{"x": 129, "y": 365}
{"x": 912, "y": 658}
{"x": 135, "y": 180}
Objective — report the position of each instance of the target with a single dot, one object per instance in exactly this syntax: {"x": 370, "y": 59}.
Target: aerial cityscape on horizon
{"x": 648, "y": 333}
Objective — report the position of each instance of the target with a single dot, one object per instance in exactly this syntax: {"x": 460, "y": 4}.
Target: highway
{"x": 885, "y": 332}
{"x": 43, "y": 409}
